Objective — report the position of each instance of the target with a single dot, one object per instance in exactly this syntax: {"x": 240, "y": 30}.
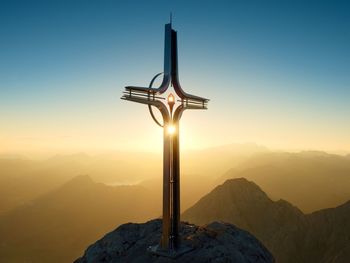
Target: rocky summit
{"x": 216, "y": 242}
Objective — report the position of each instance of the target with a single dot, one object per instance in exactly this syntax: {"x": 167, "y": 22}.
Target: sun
{"x": 171, "y": 129}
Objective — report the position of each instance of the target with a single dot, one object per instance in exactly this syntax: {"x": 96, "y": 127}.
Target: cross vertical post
{"x": 170, "y": 244}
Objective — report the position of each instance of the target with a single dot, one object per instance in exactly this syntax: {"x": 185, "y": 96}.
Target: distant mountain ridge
{"x": 57, "y": 226}
{"x": 23, "y": 180}
{"x": 311, "y": 180}
{"x": 289, "y": 234}
{"x": 290, "y": 176}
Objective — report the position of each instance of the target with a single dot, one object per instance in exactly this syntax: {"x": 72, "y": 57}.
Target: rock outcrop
{"x": 215, "y": 242}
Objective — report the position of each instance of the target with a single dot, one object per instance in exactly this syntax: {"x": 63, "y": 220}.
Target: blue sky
{"x": 277, "y": 73}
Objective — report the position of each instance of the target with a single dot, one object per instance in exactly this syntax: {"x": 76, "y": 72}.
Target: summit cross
{"x": 171, "y": 108}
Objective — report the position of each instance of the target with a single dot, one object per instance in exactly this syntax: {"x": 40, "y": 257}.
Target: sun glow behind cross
{"x": 171, "y": 129}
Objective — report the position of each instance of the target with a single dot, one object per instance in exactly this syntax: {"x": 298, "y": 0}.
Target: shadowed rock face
{"x": 215, "y": 242}
{"x": 290, "y": 235}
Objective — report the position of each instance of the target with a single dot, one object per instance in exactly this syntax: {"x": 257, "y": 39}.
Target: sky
{"x": 277, "y": 73}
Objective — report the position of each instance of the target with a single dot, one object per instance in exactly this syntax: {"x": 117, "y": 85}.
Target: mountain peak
{"x": 241, "y": 182}
{"x": 241, "y": 188}
{"x": 216, "y": 242}
{"x": 242, "y": 203}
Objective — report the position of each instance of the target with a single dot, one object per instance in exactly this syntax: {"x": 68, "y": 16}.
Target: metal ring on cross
{"x": 149, "y": 106}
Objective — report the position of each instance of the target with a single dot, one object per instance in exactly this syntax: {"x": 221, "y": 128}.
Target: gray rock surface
{"x": 216, "y": 242}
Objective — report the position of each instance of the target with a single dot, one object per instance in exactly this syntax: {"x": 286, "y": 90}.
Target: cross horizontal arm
{"x": 140, "y": 89}
{"x": 149, "y": 95}
{"x": 142, "y": 100}
{"x": 194, "y": 104}
{"x": 147, "y": 91}
{"x": 195, "y": 107}
{"x": 151, "y": 99}
{"x": 195, "y": 98}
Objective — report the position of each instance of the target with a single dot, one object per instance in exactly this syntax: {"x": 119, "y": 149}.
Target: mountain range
{"x": 23, "y": 180}
{"x": 49, "y": 214}
{"x": 58, "y": 226}
{"x": 309, "y": 180}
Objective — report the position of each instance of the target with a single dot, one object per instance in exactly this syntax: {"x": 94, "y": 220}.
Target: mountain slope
{"x": 58, "y": 226}
{"x": 331, "y": 233}
{"x": 288, "y": 233}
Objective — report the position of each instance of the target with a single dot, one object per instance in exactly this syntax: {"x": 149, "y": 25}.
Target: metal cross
{"x": 170, "y": 241}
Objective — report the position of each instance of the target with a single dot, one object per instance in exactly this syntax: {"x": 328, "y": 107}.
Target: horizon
{"x": 108, "y": 152}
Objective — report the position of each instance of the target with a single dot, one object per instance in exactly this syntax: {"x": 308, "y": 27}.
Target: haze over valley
{"x": 52, "y": 209}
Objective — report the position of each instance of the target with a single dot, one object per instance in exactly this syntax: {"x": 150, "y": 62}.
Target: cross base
{"x": 170, "y": 253}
